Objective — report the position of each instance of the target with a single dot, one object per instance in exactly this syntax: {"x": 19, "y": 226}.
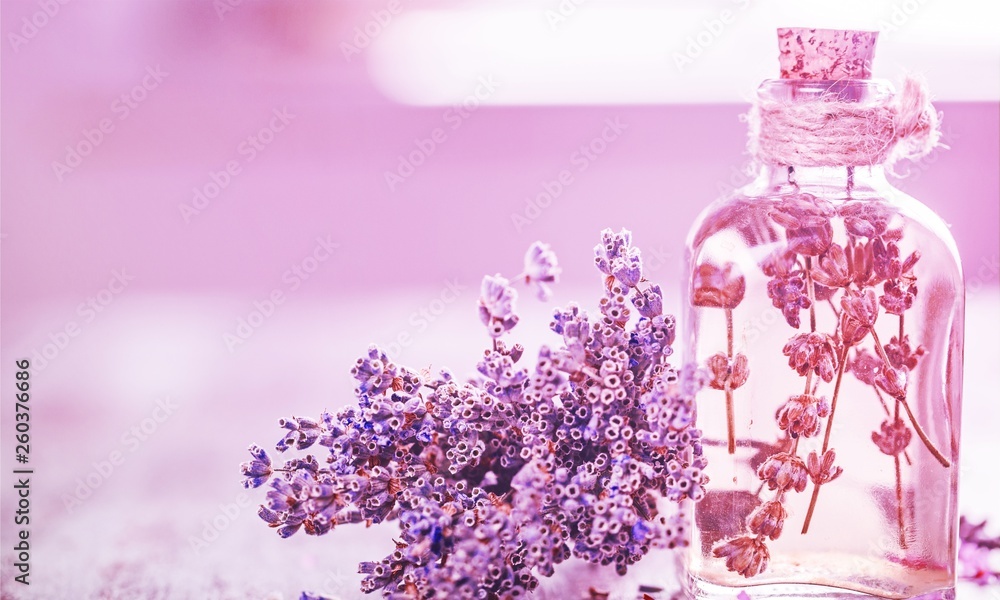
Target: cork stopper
{"x": 825, "y": 54}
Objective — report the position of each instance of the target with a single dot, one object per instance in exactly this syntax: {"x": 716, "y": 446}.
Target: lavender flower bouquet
{"x": 496, "y": 480}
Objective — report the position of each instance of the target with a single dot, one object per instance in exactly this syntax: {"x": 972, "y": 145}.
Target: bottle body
{"x": 827, "y": 310}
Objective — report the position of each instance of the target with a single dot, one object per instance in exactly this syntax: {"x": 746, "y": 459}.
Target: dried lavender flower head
{"x": 616, "y": 257}
{"x": 496, "y": 305}
{"x": 541, "y": 267}
{"x": 978, "y": 553}
{"x": 495, "y": 481}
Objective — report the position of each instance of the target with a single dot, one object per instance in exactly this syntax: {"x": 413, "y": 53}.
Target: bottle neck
{"x": 823, "y": 123}
{"x": 851, "y": 182}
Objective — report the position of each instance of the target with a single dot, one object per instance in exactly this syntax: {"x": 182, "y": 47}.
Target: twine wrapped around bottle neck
{"x": 831, "y": 132}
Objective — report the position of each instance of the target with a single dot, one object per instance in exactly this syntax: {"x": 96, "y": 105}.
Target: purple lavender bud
{"x": 516, "y": 351}
{"x": 257, "y": 471}
{"x": 628, "y": 269}
{"x": 306, "y": 438}
{"x": 268, "y": 515}
{"x": 260, "y": 454}
{"x": 255, "y": 468}
{"x": 616, "y": 257}
{"x": 255, "y": 482}
{"x": 648, "y": 302}
{"x": 541, "y": 267}
{"x": 612, "y": 246}
{"x": 288, "y": 530}
{"x": 374, "y": 372}
{"x": 287, "y": 442}
{"x": 496, "y": 305}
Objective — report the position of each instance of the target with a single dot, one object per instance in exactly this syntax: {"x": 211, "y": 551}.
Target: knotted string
{"x": 832, "y": 132}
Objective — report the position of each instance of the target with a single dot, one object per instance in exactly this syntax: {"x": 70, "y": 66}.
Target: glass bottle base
{"x": 702, "y": 590}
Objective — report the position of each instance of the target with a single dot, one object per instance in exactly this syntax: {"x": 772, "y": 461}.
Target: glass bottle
{"x": 831, "y": 474}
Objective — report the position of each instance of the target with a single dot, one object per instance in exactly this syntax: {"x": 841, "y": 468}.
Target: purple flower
{"x": 615, "y": 256}
{"x": 976, "y": 566}
{"x": 975, "y": 552}
{"x": 571, "y": 323}
{"x": 806, "y": 220}
{"x": 893, "y": 438}
{"x": 800, "y": 415}
{"x": 810, "y": 241}
{"x": 258, "y": 470}
{"x": 768, "y": 519}
{"x": 865, "y": 219}
{"x": 746, "y": 555}
{"x": 866, "y": 366}
{"x": 728, "y": 372}
{"x": 822, "y": 470}
{"x": 898, "y": 296}
{"x": 541, "y": 267}
{"x": 860, "y": 263}
{"x": 500, "y": 369}
{"x": 496, "y": 305}
{"x": 832, "y": 270}
{"x": 288, "y": 500}
{"x": 860, "y": 306}
{"x": 784, "y": 471}
{"x": 886, "y": 259}
{"x": 901, "y": 355}
{"x": 802, "y": 210}
{"x": 302, "y": 433}
{"x": 648, "y": 302}
{"x": 892, "y": 381}
{"x": 374, "y": 372}
{"x": 496, "y": 480}
{"x": 788, "y": 292}
{"x": 860, "y": 311}
{"x": 779, "y": 263}
{"x": 613, "y": 307}
{"x": 270, "y": 517}
{"x": 812, "y": 351}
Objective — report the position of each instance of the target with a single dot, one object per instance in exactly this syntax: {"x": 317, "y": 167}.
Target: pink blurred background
{"x": 263, "y": 107}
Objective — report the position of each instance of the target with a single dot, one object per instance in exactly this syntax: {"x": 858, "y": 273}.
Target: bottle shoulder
{"x": 761, "y": 215}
